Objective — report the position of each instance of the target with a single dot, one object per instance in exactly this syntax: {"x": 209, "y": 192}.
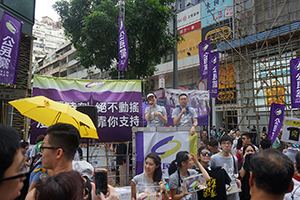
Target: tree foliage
{"x": 92, "y": 26}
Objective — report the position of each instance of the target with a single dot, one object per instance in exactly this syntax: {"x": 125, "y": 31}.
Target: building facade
{"x": 23, "y": 10}
{"x": 256, "y": 41}
{"x": 49, "y": 36}
{"x": 64, "y": 63}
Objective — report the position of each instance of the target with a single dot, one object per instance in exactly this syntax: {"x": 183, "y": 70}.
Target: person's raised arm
{"x": 148, "y": 114}
{"x": 193, "y": 128}
{"x": 176, "y": 120}
{"x": 204, "y": 172}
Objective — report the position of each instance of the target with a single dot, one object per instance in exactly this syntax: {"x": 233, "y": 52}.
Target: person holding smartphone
{"x": 156, "y": 115}
{"x": 152, "y": 173}
{"x": 244, "y": 170}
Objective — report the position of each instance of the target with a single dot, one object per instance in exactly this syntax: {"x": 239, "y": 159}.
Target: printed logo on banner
{"x": 163, "y": 142}
{"x": 278, "y": 111}
{"x": 205, "y": 47}
{"x": 93, "y": 84}
{"x": 12, "y": 27}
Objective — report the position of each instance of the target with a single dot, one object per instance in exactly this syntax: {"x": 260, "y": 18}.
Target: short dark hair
{"x": 40, "y": 138}
{"x": 65, "y": 185}
{"x": 65, "y": 136}
{"x": 204, "y": 130}
{"x": 272, "y": 171}
{"x": 24, "y": 144}
{"x": 247, "y": 134}
{"x": 182, "y": 94}
{"x": 205, "y": 141}
{"x": 157, "y": 160}
{"x": 225, "y": 138}
{"x": 9, "y": 145}
{"x": 213, "y": 143}
{"x": 265, "y": 143}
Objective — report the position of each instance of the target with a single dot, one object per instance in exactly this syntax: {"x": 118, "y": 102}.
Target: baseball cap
{"x": 150, "y": 94}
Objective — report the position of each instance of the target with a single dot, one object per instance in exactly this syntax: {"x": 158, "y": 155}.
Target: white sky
{"x": 44, "y": 8}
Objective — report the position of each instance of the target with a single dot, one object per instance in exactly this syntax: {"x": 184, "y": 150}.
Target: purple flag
{"x": 123, "y": 46}
{"x": 295, "y": 82}
{"x": 213, "y": 74}
{"x": 204, "y": 50}
{"x": 10, "y": 38}
{"x": 276, "y": 120}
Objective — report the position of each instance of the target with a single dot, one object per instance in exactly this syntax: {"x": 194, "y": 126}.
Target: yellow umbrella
{"x": 48, "y": 112}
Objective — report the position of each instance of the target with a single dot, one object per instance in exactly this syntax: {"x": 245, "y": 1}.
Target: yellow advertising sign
{"x": 271, "y": 94}
{"x": 227, "y": 78}
{"x": 189, "y": 46}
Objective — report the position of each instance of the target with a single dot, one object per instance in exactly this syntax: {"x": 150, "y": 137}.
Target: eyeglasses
{"x": 226, "y": 143}
{"x": 206, "y": 153}
{"x": 15, "y": 177}
{"x": 23, "y": 174}
{"x": 43, "y": 148}
{"x": 183, "y": 99}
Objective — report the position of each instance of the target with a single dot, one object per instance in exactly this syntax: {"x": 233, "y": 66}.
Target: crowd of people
{"x": 233, "y": 166}
{"x": 57, "y": 152}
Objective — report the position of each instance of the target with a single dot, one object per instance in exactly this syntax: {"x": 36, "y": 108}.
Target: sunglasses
{"x": 206, "y": 153}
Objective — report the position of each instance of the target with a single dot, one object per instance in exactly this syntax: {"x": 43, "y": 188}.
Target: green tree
{"x": 92, "y": 26}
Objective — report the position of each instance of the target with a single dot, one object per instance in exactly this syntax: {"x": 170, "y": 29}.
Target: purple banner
{"x": 123, "y": 46}
{"x": 10, "y": 39}
{"x": 213, "y": 74}
{"x": 276, "y": 120}
{"x": 204, "y": 50}
{"x": 295, "y": 82}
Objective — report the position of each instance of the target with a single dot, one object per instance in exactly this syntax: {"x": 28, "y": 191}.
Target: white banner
{"x": 291, "y": 130}
{"x": 167, "y": 144}
{"x": 189, "y": 16}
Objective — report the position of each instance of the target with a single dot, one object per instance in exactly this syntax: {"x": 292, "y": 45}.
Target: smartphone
{"x": 101, "y": 180}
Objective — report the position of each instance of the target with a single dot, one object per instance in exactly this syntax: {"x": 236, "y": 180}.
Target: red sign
{"x": 190, "y": 28}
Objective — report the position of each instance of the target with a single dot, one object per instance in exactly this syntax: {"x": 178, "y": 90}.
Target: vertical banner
{"x": 204, "y": 50}
{"x": 213, "y": 74}
{"x": 276, "y": 120}
{"x": 123, "y": 45}
{"x": 10, "y": 39}
{"x": 295, "y": 82}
